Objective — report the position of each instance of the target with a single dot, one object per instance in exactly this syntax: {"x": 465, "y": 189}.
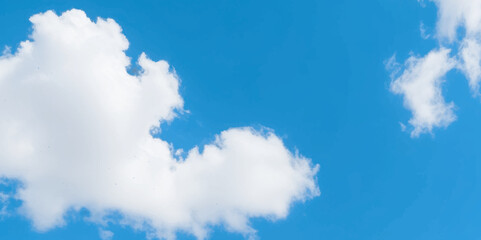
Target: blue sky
{"x": 314, "y": 71}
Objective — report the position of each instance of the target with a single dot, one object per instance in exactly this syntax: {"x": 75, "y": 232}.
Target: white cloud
{"x": 470, "y": 55}
{"x": 420, "y": 84}
{"x": 423, "y": 31}
{"x": 421, "y": 81}
{"x": 465, "y": 14}
{"x": 453, "y": 14}
{"x": 75, "y": 132}
{"x": 106, "y": 234}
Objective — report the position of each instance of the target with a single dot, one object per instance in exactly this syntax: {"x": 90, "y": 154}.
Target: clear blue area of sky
{"x": 314, "y": 72}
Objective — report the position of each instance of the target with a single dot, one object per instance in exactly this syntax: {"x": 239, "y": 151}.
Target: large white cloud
{"x": 453, "y": 16}
{"x": 76, "y": 133}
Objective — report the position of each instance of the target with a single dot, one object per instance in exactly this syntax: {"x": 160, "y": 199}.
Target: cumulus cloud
{"x": 420, "y": 84}
{"x": 76, "y": 134}
{"x": 453, "y": 16}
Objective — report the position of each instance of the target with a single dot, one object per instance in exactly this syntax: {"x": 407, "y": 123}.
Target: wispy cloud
{"x": 423, "y": 31}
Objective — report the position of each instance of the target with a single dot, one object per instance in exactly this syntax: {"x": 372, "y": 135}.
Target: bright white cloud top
{"x": 420, "y": 82}
{"x": 76, "y": 133}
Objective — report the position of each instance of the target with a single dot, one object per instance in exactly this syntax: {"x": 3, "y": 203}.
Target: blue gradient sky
{"x": 313, "y": 71}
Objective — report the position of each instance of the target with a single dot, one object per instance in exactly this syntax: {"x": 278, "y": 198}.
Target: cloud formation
{"x": 420, "y": 82}
{"x": 76, "y": 134}
{"x": 453, "y": 14}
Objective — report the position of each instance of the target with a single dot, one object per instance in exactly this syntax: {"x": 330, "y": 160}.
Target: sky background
{"x": 313, "y": 71}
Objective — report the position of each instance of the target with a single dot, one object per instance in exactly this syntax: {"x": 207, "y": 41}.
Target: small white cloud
{"x": 76, "y": 133}
{"x": 420, "y": 85}
{"x": 422, "y": 31}
{"x": 106, "y": 234}
{"x": 391, "y": 64}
